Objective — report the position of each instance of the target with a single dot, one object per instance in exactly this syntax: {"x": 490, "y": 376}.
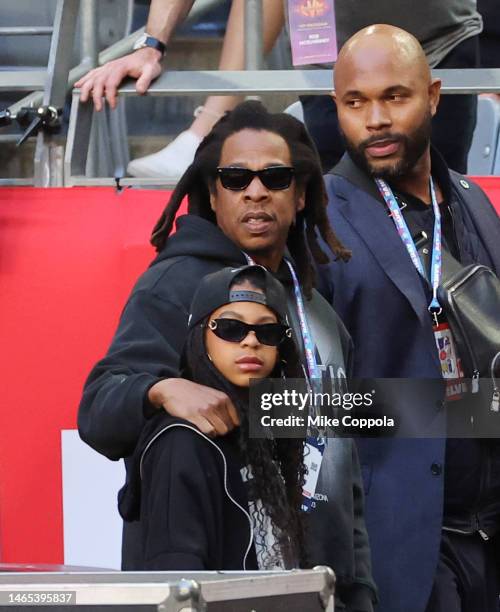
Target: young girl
{"x": 234, "y": 502}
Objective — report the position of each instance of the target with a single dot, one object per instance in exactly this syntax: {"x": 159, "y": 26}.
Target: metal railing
{"x": 48, "y": 155}
{"x": 251, "y": 82}
{"x": 49, "y": 87}
{"x": 26, "y": 31}
{"x": 9, "y": 79}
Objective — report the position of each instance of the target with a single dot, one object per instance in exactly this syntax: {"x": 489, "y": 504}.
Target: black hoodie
{"x": 146, "y": 348}
{"x": 150, "y": 336}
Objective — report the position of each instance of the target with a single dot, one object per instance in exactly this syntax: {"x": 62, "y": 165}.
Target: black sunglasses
{"x": 233, "y": 330}
{"x": 272, "y": 177}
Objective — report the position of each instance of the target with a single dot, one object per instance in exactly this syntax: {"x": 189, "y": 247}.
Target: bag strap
{"x": 451, "y": 265}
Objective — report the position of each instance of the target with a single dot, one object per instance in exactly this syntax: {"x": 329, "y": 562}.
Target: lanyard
{"x": 315, "y": 446}
{"x": 312, "y": 364}
{"x": 404, "y": 233}
{"x": 313, "y": 371}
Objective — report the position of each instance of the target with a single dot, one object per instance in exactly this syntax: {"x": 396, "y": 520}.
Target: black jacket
{"x": 114, "y": 409}
{"x": 382, "y": 301}
{"x": 150, "y": 336}
{"x": 193, "y": 514}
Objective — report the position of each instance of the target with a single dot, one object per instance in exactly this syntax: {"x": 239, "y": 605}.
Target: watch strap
{"x": 153, "y": 42}
{"x": 150, "y": 41}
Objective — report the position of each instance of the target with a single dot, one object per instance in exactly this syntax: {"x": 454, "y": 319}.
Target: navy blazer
{"x": 383, "y": 303}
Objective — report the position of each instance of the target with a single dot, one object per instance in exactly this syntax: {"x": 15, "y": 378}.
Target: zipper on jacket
{"x": 197, "y": 431}
{"x": 480, "y": 531}
{"x": 484, "y": 535}
{"x": 484, "y": 480}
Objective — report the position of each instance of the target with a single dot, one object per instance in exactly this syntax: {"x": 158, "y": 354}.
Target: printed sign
{"x": 312, "y": 31}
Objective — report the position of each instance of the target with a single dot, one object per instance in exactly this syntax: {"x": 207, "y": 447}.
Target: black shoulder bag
{"x": 470, "y": 298}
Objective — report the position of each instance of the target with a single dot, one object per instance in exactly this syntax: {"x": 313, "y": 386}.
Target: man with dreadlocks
{"x": 254, "y": 190}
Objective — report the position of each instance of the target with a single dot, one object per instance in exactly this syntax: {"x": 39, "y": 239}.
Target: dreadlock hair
{"x": 199, "y": 180}
{"x": 277, "y": 466}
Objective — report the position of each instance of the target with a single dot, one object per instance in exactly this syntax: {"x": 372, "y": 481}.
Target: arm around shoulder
{"x": 145, "y": 349}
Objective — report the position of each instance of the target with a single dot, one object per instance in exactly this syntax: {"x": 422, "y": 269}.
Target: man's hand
{"x": 143, "y": 65}
{"x": 210, "y": 410}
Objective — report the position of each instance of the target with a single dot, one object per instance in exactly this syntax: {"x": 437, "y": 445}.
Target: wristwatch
{"x": 145, "y": 40}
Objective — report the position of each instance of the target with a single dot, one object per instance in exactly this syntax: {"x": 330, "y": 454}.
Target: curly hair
{"x": 199, "y": 180}
{"x": 277, "y": 466}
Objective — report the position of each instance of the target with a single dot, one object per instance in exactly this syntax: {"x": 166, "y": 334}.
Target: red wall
{"x": 68, "y": 259}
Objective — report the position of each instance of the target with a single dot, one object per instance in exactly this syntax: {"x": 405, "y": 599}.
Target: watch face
{"x": 140, "y": 42}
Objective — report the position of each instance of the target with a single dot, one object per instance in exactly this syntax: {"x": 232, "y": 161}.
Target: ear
{"x": 300, "y": 199}
{"x": 333, "y": 96}
{"x": 212, "y": 200}
{"x": 434, "y": 95}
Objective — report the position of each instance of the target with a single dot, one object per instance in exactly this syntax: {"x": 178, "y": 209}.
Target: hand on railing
{"x": 143, "y": 65}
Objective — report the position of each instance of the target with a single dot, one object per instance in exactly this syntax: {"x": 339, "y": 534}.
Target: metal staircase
{"x": 40, "y": 113}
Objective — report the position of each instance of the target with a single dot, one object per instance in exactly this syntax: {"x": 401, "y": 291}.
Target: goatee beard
{"x": 413, "y": 146}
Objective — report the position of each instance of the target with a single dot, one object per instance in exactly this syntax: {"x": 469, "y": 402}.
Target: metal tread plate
{"x": 169, "y": 591}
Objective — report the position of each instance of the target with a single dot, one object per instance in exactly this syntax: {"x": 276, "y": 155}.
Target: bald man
{"x": 449, "y": 33}
{"x": 432, "y": 506}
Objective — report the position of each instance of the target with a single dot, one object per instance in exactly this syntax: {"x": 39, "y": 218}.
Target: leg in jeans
{"x": 455, "y": 120}
{"x": 174, "y": 159}
{"x": 320, "y": 117}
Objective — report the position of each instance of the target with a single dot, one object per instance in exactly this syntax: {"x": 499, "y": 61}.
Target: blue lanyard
{"x": 404, "y": 233}
{"x": 313, "y": 370}
{"x": 315, "y": 446}
{"x": 312, "y": 364}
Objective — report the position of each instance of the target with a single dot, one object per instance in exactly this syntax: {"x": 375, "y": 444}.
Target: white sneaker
{"x": 170, "y": 162}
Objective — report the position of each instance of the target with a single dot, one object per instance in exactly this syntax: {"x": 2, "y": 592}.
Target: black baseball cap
{"x": 214, "y": 291}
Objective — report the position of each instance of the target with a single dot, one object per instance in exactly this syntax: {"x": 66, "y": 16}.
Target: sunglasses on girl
{"x": 272, "y": 177}
{"x": 233, "y": 330}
